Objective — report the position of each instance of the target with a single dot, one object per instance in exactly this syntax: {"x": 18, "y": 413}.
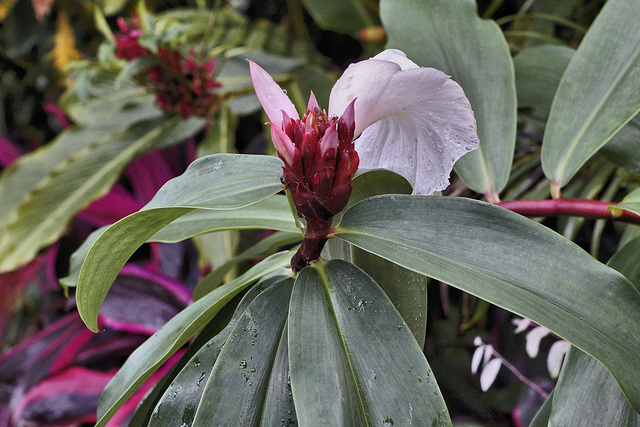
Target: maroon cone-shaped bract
{"x": 320, "y": 161}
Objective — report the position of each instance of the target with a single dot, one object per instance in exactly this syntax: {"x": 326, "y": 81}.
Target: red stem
{"x": 570, "y": 207}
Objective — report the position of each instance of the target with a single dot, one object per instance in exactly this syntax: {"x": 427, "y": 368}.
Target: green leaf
{"x": 602, "y": 80}
{"x": 61, "y": 179}
{"x": 343, "y": 16}
{"x": 262, "y": 249}
{"x": 542, "y": 416}
{"x": 587, "y": 393}
{"x": 221, "y": 181}
{"x": 538, "y": 73}
{"x": 344, "y": 340}
{"x": 631, "y": 202}
{"x": 272, "y": 213}
{"x": 450, "y": 36}
{"x": 147, "y": 358}
{"x": 479, "y": 248}
{"x": 406, "y": 289}
{"x": 178, "y": 403}
{"x": 622, "y": 149}
{"x": 243, "y": 382}
{"x": 626, "y": 261}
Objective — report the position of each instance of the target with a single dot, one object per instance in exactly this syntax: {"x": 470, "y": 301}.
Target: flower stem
{"x": 519, "y": 375}
{"x": 570, "y": 207}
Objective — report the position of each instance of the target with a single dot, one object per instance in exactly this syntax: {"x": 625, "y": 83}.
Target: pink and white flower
{"x": 385, "y": 112}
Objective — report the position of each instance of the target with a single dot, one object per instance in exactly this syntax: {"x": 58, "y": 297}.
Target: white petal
{"x": 397, "y": 56}
{"x": 533, "y": 340}
{"x": 423, "y": 141}
{"x": 477, "y": 357}
{"x": 271, "y": 96}
{"x": 365, "y": 81}
{"x": 521, "y": 324}
{"x": 555, "y": 357}
{"x": 489, "y": 374}
{"x": 488, "y": 353}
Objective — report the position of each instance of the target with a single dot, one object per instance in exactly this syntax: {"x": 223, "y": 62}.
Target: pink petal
{"x": 313, "y": 103}
{"x": 329, "y": 140}
{"x": 271, "y": 96}
{"x": 365, "y": 81}
{"x": 283, "y": 144}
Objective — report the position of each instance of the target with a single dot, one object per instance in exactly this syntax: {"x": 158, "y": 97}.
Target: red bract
{"x": 127, "y": 45}
{"x": 183, "y": 85}
{"x": 320, "y": 162}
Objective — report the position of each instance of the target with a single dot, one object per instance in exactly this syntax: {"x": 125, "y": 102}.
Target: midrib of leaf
{"x": 361, "y": 401}
{"x": 54, "y": 216}
{"x": 595, "y": 112}
{"x": 462, "y": 266}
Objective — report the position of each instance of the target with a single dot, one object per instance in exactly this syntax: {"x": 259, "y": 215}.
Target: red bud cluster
{"x": 182, "y": 85}
{"x": 320, "y": 161}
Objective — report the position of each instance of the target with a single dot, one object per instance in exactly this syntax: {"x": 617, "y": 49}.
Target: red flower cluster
{"x": 319, "y": 166}
{"x": 182, "y": 85}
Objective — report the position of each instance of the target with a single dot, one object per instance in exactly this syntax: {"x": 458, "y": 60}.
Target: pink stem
{"x": 570, "y": 207}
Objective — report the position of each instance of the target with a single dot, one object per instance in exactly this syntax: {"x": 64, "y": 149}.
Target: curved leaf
{"x": 243, "y": 381}
{"x": 173, "y": 335}
{"x": 538, "y": 73}
{"x": 587, "y": 393}
{"x": 221, "y": 181}
{"x": 512, "y": 262}
{"x": 272, "y": 213}
{"x": 344, "y": 340}
{"x": 450, "y": 36}
{"x": 602, "y": 79}
{"x": 178, "y": 403}
{"x": 47, "y": 188}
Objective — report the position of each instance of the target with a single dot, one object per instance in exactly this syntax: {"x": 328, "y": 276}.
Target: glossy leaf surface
{"x": 449, "y": 36}
{"x": 220, "y": 181}
{"x": 244, "y": 382}
{"x": 602, "y": 79}
{"x": 477, "y": 247}
{"x": 175, "y": 333}
{"x": 346, "y": 367}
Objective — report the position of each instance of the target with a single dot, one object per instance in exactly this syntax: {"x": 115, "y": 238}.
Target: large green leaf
{"x": 346, "y": 16}
{"x": 586, "y": 392}
{"x": 178, "y": 403}
{"x": 353, "y": 360}
{"x": 174, "y": 334}
{"x": 406, "y": 289}
{"x": 270, "y": 214}
{"x": 622, "y": 149}
{"x": 512, "y": 262}
{"x": 538, "y": 73}
{"x": 450, "y": 36}
{"x": 221, "y": 181}
{"x": 248, "y": 377}
{"x": 598, "y": 93}
{"x": 260, "y": 250}
{"x": 49, "y": 187}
